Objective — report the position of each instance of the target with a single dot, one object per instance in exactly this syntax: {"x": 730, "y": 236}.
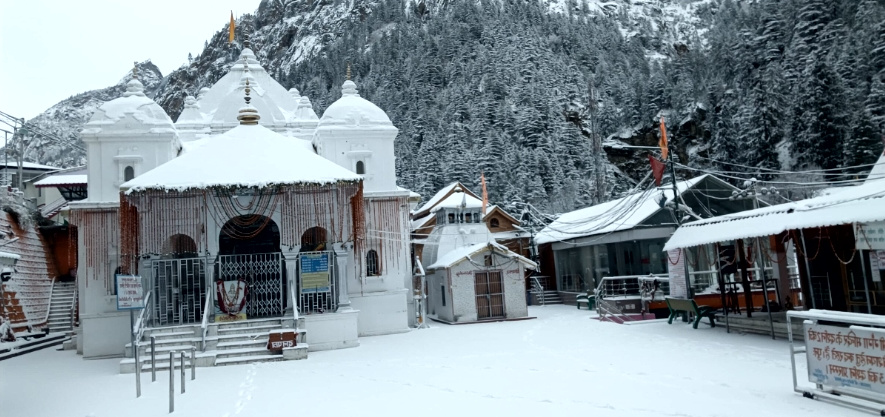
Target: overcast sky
{"x": 51, "y": 50}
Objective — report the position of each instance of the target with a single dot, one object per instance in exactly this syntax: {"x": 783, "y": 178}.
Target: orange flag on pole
{"x": 230, "y": 33}
{"x": 485, "y": 194}
{"x": 663, "y": 141}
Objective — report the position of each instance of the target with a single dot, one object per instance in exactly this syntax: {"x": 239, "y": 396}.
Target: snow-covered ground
{"x": 561, "y": 363}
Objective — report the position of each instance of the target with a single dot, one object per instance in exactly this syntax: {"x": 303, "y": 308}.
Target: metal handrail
{"x": 295, "y": 315}
{"x": 537, "y": 288}
{"x": 143, "y": 316}
{"x": 74, "y": 304}
{"x": 602, "y": 290}
{"x": 204, "y": 325}
{"x": 49, "y": 302}
{"x": 50, "y": 207}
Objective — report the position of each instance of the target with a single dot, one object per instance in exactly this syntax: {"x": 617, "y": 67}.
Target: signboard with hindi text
{"x": 676, "y": 270}
{"x": 870, "y": 236}
{"x": 851, "y": 357}
{"x": 130, "y": 293}
{"x": 315, "y": 276}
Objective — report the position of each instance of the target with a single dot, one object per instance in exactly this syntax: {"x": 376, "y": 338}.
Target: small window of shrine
{"x": 494, "y": 223}
{"x": 360, "y": 167}
{"x": 128, "y": 173}
{"x": 373, "y": 267}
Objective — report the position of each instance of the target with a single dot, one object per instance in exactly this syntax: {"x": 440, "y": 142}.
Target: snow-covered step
{"x": 193, "y": 329}
{"x": 164, "y": 336}
{"x": 243, "y": 352}
{"x": 53, "y": 339}
{"x": 249, "y": 330}
{"x": 242, "y": 344}
{"x": 239, "y": 360}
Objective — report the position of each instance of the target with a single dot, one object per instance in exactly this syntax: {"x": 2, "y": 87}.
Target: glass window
{"x": 128, "y": 173}
{"x": 360, "y": 167}
{"x": 373, "y": 267}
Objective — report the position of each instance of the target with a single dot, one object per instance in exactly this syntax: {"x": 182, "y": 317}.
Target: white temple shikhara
{"x": 249, "y": 207}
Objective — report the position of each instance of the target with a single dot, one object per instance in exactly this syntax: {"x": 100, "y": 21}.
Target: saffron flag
{"x": 657, "y": 170}
{"x": 485, "y": 194}
{"x": 230, "y": 33}
{"x": 663, "y": 142}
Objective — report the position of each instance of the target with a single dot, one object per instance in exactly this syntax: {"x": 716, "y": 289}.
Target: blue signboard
{"x": 315, "y": 273}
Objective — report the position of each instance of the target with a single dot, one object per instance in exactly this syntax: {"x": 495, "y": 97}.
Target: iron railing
{"x": 204, "y": 324}
{"x": 178, "y": 288}
{"x": 630, "y": 285}
{"x": 263, "y": 273}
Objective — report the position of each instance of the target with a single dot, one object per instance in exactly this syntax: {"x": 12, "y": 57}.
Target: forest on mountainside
{"x": 503, "y": 87}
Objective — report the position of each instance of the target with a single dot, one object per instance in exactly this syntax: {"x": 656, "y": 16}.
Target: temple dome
{"x": 351, "y": 110}
{"x": 133, "y": 106}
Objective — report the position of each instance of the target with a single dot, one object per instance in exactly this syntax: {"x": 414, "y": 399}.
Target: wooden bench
{"x": 588, "y": 299}
{"x": 686, "y": 306}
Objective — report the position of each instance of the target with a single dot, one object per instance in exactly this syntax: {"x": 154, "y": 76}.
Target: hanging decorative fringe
{"x": 162, "y": 215}
{"x": 128, "y": 237}
{"x": 358, "y": 214}
{"x": 100, "y": 229}
{"x": 387, "y": 226}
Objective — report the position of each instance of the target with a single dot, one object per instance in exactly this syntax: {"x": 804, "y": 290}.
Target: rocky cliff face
{"x": 498, "y": 86}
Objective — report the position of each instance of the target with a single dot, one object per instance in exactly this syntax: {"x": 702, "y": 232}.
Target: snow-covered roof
{"x": 878, "y": 171}
{"x": 62, "y": 179}
{"x": 455, "y": 256}
{"x": 420, "y": 222}
{"x": 351, "y": 110}
{"x": 457, "y": 199}
{"x": 860, "y": 204}
{"x": 246, "y": 156}
{"x": 29, "y": 165}
{"x": 494, "y": 207}
{"x": 621, "y": 214}
{"x": 7, "y": 255}
{"x": 141, "y": 108}
{"x": 438, "y": 196}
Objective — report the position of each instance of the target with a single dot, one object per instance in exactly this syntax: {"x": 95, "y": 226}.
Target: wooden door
{"x": 489, "y": 289}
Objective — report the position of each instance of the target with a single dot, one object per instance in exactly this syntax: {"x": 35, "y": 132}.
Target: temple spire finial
{"x": 347, "y": 76}
{"x": 248, "y": 114}
{"x": 135, "y": 69}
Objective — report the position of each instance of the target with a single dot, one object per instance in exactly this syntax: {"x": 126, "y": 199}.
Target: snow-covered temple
{"x": 248, "y": 209}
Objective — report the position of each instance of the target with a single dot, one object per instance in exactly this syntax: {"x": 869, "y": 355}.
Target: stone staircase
{"x": 552, "y": 297}
{"x": 60, "y": 307}
{"x": 226, "y": 344}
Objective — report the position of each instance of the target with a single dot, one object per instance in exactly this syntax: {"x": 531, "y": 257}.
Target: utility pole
{"x": 21, "y": 154}
{"x": 596, "y": 141}
{"x": 676, "y": 211}
{"x": 6, "y": 154}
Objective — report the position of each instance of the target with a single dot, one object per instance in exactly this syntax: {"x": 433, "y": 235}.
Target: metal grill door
{"x": 489, "y": 295}
{"x": 263, "y": 273}
{"x": 180, "y": 292}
